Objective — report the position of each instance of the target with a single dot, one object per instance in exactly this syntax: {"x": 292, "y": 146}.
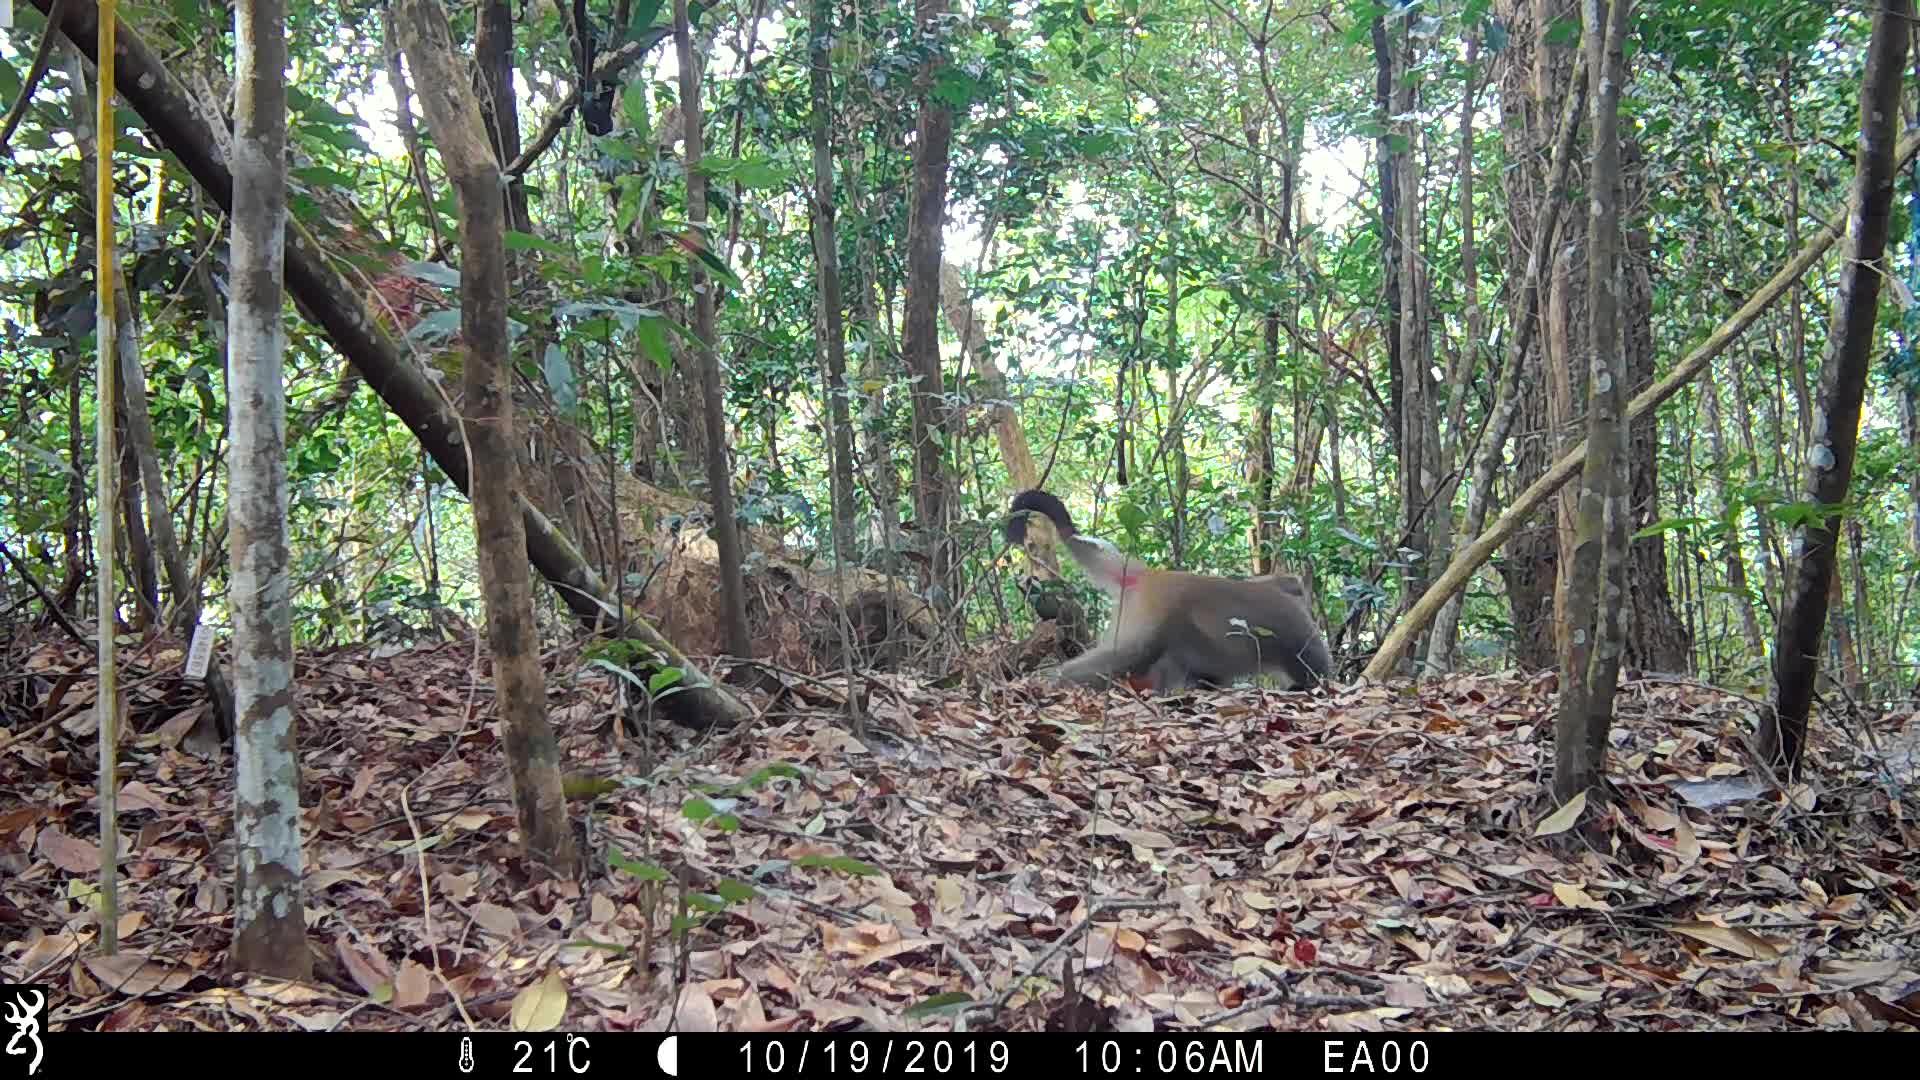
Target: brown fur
{"x": 1176, "y": 629}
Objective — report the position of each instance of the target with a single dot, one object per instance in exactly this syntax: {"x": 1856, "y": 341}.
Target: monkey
{"x": 1178, "y": 629}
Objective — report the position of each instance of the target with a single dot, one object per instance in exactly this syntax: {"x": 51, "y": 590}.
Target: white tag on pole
{"x": 6, "y": 14}
{"x": 200, "y": 653}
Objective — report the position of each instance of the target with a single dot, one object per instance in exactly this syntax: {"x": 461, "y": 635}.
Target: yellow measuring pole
{"x": 103, "y": 278}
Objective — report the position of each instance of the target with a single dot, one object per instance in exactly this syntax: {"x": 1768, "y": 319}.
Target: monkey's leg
{"x": 1114, "y": 661}
{"x": 1170, "y": 674}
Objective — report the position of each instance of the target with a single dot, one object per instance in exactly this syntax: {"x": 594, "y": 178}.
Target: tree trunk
{"x": 920, "y": 340}
{"x": 826, "y": 253}
{"x": 1862, "y": 613}
{"x": 1843, "y": 376}
{"x": 453, "y": 115}
{"x": 143, "y": 566}
{"x": 726, "y": 531}
{"x": 1537, "y": 78}
{"x": 1443, "y": 642}
{"x": 1260, "y": 458}
{"x": 1596, "y": 589}
{"x": 1389, "y": 160}
{"x": 1418, "y": 425}
{"x": 1731, "y": 547}
{"x": 1910, "y": 423}
{"x": 1175, "y": 437}
{"x": 493, "y": 55}
{"x": 1657, "y": 638}
{"x": 268, "y": 913}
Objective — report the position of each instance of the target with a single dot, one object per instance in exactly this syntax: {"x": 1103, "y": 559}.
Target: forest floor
{"x": 1376, "y": 859}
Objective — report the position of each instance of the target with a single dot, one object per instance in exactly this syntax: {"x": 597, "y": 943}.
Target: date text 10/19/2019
{"x": 963, "y": 1055}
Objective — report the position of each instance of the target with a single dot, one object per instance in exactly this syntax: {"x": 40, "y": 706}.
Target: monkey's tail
{"x": 1035, "y": 501}
{"x": 1109, "y": 569}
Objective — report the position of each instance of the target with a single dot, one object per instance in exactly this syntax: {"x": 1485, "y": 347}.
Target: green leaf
{"x": 940, "y": 1004}
{"x": 1564, "y": 31}
{"x": 633, "y": 102}
{"x": 436, "y": 273}
{"x": 438, "y": 325}
{"x": 641, "y": 870}
{"x": 738, "y": 892}
{"x": 321, "y": 176}
{"x": 1671, "y": 525}
{"x": 519, "y": 241}
{"x": 720, "y": 269}
{"x": 761, "y": 776}
{"x": 663, "y": 678}
{"x": 653, "y": 341}
{"x": 644, "y": 14}
{"x": 559, "y": 374}
{"x": 844, "y": 864}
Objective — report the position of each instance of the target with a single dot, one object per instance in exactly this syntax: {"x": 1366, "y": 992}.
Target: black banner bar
{"x": 348, "y": 1055}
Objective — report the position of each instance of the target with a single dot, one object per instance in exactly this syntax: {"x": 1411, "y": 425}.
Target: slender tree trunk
{"x": 920, "y": 340}
{"x": 1910, "y": 422}
{"x": 1796, "y": 361}
{"x": 403, "y": 120}
{"x": 1846, "y": 649}
{"x": 826, "y": 253}
{"x": 1388, "y": 183}
{"x": 1772, "y": 558}
{"x": 1535, "y": 82}
{"x": 1260, "y": 458}
{"x": 1862, "y": 613}
{"x": 453, "y": 115}
{"x": 1597, "y": 602}
{"x": 269, "y": 916}
{"x": 1418, "y": 426}
{"x": 1442, "y": 644}
{"x": 1176, "y": 428}
{"x": 1657, "y": 638}
{"x": 74, "y": 534}
{"x": 733, "y": 602}
{"x": 1843, "y": 376}
{"x": 143, "y": 565}
{"x": 493, "y": 55}
{"x": 1736, "y": 561}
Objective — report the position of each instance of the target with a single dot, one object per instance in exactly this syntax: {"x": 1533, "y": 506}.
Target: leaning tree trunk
{"x": 1843, "y": 377}
{"x": 337, "y": 309}
{"x": 520, "y": 690}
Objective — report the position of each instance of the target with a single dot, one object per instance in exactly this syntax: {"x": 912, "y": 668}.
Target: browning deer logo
{"x": 24, "y": 1015}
